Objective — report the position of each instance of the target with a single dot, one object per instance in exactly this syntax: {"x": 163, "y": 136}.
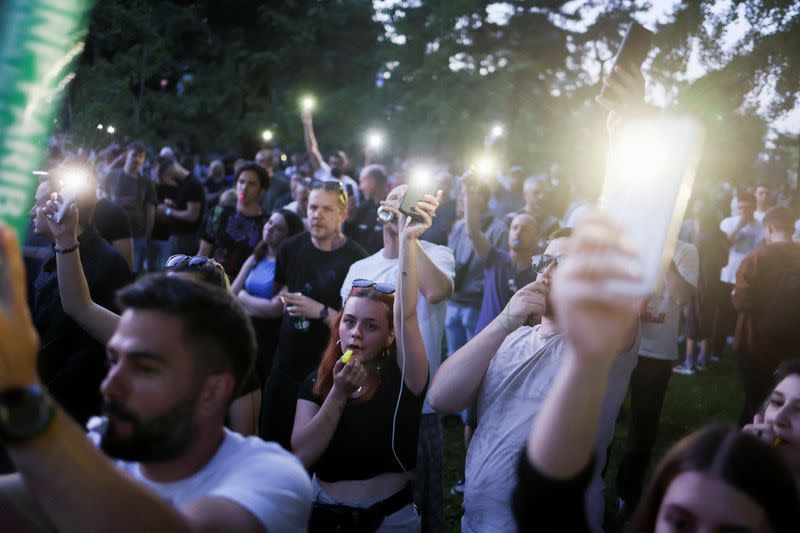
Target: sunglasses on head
{"x": 542, "y": 261}
{"x": 327, "y": 184}
{"x": 195, "y": 262}
{"x": 383, "y": 288}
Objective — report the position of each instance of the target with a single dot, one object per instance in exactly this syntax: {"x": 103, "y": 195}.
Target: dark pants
{"x": 648, "y": 388}
{"x": 278, "y": 404}
{"x": 428, "y": 474}
{"x": 725, "y": 320}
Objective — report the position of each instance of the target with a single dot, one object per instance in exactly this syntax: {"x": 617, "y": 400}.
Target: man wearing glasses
{"x": 310, "y": 268}
{"x": 508, "y": 369}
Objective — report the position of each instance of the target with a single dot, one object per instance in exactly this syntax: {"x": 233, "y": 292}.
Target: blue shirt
{"x": 261, "y": 280}
{"x": 501, "y": 280}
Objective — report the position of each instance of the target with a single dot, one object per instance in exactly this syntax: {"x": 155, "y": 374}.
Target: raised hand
{"x": 596, "y": 319}
{"x": 64, "y": 232}
{"x": 761, "y": 429}
{"x": 299, "y": 305}
{"x": 626, "y": 100}
{"x": 427, "y": 210}
{"x": 19, "y": 343}
{"x": 530, "y": 300}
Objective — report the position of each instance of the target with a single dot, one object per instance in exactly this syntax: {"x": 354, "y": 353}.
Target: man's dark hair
{"x": 162, "y": 164}
{"x": 781, "y": 218}
{"x": 213, "y": 322}
{"x": 137, "y": 147}
{"x": 263, "y": 177}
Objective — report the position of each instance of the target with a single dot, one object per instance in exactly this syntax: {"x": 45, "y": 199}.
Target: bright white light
{"x": 283, "y": 157}
{"x": 387, "y": 75}
{"x": 72, "y": 178}
{"x": 422, "y": 176}
{"x": 266, "y": 135}
{"x": 99, "y": 126}
{"x": 485, "y": 165}
{"x": 497, "y": 130}
{"x": 111, "y": 129}
{"x": 308, "y": 103}
{"x": 374, "y": 140}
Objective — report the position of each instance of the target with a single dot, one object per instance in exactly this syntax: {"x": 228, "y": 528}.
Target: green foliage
{"x": 434, "y": 74}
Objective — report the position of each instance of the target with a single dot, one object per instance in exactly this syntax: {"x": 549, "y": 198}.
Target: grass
{"x": 690, "y": 403}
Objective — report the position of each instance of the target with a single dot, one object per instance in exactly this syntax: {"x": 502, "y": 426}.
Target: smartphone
{"x": 416, "y": 192}
{"x": 635, "y": 47}
{"x": 649, "y": 178}
{"x": 66, "y": 199}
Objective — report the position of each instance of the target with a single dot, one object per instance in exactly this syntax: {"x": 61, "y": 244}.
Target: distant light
{"x": 387, "y": 75}
{"x": 374, "y": 140}
{"x": 99, "y": 126}
{"x": 284, "y": 158}
{"x": 164, "y": 83}
{"x": 308, "y": 103}
{"x": 267, "y": 135}
{"x": 111, "y": 129}
{"x": 497, "y": 130}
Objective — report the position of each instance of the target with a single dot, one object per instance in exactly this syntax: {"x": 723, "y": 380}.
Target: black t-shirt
{"x": 133, "y": 194}
{"x": 190, "y": 190}
{"x": 111, "y": 221}
{"x": 162, "y": 227}
{"x": 361, "y": 446}
{"x": 233, "y": 236}
{"x": 364, "y": 228}
{"x": 302, "y": 267}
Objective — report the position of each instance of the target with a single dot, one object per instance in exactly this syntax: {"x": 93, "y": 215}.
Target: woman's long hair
{"x": 294, "y": 226}
{"x": 738, "y": 459}
{"x": 333, "y": 352}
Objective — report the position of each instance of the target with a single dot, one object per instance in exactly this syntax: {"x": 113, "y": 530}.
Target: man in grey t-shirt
{"x": 136, "y": 194}
{"x": 509, "y": 368}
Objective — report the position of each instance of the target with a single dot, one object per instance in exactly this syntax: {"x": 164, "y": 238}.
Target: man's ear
{"x": 216, "y": 392}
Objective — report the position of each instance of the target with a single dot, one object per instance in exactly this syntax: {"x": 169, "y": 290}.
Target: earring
{"x": 339, "y": 343}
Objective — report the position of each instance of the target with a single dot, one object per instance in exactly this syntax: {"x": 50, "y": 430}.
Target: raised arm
{"x": 312, "y": 148}
{"x": 597, "y": 324}
{"x": 434, "y": 284}
{"x": 76, "y": 299}
{"x": 411, "y": 355}
{"x": 480, "y": 243}
{"x": 457, "y": 381}
{"x": 76, "y": 485}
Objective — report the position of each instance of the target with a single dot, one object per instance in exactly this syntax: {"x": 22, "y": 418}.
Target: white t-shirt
{"x": 759, "y": 215}
{"x": 745, "y": 241}
{"x": 430, "y": 316}
{"x": 518, "y": 379}
{"x": 350, "y": 185}
{"x": 660, "y": 320}
{"x": 797, "y": 229}
{"x": 260, "y": 476}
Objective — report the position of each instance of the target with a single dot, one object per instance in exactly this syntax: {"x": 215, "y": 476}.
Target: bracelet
{"x": 66, "y": 250}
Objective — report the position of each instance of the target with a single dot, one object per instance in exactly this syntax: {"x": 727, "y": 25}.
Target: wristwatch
{"x": 25, "y": 412}
{"x": 324, "y": 313}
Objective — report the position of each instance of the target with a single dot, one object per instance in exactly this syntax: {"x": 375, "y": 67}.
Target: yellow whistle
{"x": 347, "y": 355}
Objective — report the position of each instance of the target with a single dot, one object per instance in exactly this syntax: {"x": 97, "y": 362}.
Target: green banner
{"x": 39, "y": 42}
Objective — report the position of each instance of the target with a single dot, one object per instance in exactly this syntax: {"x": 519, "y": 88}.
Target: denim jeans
{"x": 459, "y": 325}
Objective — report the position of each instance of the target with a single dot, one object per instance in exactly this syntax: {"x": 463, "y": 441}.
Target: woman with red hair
{"x": 358, "y": 415}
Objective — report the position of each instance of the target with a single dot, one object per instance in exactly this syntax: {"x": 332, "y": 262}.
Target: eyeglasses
{"x": 195, "y": 262}
{"x": 542, "y": 261}
{"x": 383, "y": 288}
{"x": 327, "y": 184}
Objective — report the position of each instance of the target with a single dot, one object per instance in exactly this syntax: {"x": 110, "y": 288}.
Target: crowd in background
{"x": 488, "y": 290}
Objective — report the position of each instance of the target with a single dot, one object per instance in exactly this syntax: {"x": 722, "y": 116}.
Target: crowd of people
{"x": 271, "y": 344}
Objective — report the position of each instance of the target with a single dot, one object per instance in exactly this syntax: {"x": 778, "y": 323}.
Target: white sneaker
{"x": 683, "y": 370}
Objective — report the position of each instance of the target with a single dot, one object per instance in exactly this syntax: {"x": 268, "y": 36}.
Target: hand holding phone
{"x": 422, "y": 184}
{"x": 633, "y": 51}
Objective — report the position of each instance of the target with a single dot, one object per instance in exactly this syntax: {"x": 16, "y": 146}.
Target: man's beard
{"x": 160, "y": 439}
